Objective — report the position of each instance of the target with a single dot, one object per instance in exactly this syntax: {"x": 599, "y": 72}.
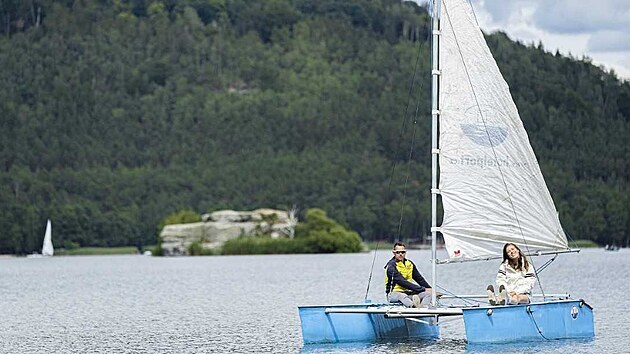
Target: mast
{"x": 435, "y": 114}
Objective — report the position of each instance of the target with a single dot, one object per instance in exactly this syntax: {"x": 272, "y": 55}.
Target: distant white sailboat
{"x": 47, "y": 246}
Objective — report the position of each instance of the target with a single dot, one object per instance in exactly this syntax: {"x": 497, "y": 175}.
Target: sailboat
{"x": 47, "y": 246}
{"x": 492, "y": 192}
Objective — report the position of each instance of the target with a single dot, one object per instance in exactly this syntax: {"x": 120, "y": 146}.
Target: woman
{"x": 515, "y": 278}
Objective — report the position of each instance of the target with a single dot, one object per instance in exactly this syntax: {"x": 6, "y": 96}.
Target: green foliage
{"x": 263, "y": 245}
{"x": 316, "y": 220}
{"x": 96, "y": 251}
{"x": 185, "y": 216}
{"x": 196, "y": 249}
{"x": 157, "y": 250}
{"x": 69, "y": 245}
{"x": 271, "y": 219}
{"x": 323, "y": 235}
{"x": 377, "y": 245}
{"x": 318, "y": 234}
{"x": 114, "y": 114}
{"x": 583, "y": 244}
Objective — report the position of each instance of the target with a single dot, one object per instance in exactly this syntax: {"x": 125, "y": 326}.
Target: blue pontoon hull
{"x": 318, "y": 326}
{"x": 561, "y": 319}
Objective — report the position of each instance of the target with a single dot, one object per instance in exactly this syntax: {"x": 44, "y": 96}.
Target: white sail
{"x": 491, "y": 185}
{"x": 47, "y": 247}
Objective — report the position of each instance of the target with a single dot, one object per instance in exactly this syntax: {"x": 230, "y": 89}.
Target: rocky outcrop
{"x": 220, "y": 226}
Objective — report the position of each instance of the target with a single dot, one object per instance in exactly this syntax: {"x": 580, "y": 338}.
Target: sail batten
{"x": 490, "y": 182}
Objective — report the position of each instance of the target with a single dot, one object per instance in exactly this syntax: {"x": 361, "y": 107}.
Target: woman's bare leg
{"x": 519, "y": 299}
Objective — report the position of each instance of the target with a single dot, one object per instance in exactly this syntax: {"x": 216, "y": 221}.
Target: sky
{"x": 599, "y": 30}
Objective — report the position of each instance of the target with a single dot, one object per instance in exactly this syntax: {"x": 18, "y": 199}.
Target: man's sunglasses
{"x": 400, "y": 252}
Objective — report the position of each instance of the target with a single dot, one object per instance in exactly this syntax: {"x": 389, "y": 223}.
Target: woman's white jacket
{"x": 521, "y": 282}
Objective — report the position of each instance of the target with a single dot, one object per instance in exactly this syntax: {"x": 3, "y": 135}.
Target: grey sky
{"x": 599, "y": 29}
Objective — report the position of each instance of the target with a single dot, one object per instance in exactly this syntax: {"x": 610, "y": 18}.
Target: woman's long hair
{"x": 522, "y": 263}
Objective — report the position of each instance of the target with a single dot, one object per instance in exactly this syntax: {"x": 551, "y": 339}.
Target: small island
{"x": 261, "y": 231}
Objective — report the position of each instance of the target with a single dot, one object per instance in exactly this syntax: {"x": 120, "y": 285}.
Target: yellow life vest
{"x": 405, "y": 268}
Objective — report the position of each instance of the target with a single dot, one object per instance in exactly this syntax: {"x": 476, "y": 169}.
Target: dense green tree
{"x": 117, "y": 113}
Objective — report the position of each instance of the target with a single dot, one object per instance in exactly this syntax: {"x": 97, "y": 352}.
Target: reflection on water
{"x": 249, "y": 303}
{"x": 439, "y": 346}
{"x": 553, "y": 346}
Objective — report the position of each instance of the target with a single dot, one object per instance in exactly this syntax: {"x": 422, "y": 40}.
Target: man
{"x": 403, "y": 281}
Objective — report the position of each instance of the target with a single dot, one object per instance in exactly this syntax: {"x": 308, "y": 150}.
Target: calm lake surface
{"x": 248, "y": 304}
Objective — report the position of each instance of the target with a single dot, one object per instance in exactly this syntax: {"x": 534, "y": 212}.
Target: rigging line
{"x": 412, "y": 145}
{"x": 494, "y": 153}
{"x": 391, "y": 176}
{"x": 409, "y": 160}
{"x": 404, "y": 119}
{"x": 529, "y": 312}
{"x": 470, "y": 302}
{"x": 371, "y": 271}
{"x": 402, "y": 129}
{"x": 571, "y": 239}
{"x": 546, "y": 264}
{"x": 474, "y": 13}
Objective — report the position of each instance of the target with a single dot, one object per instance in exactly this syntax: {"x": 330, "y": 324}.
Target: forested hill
{"x": 116, "y": 113}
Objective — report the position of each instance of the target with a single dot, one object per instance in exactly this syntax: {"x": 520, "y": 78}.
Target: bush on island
{"x": 318, "y": 234}
{"x": 184, "y": 216}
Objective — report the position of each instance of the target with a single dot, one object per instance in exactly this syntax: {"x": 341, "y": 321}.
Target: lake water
{"x": 248, "y": 304}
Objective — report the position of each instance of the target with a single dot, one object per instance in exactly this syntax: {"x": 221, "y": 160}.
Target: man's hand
{"x": 437, "y": 293}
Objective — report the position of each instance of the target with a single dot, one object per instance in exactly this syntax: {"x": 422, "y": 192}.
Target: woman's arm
{"x": 525, "y": 285}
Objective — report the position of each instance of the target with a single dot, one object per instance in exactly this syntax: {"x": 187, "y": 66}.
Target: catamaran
{"x": 492, "y": 192}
